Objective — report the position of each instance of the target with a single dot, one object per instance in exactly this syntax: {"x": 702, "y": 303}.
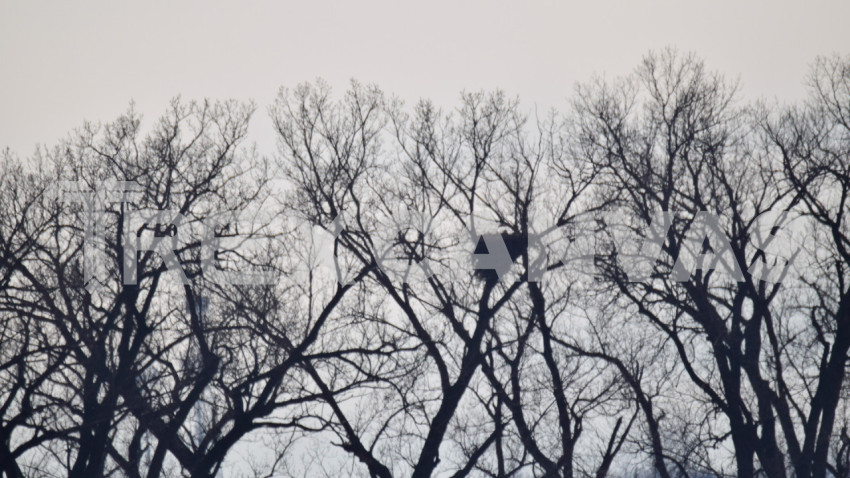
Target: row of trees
{"x": 384, "y": 339}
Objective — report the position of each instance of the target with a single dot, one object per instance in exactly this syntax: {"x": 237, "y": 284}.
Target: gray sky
{"x": 61, "y": 63}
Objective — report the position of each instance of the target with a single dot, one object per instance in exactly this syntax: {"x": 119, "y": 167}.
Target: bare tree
{"x": 417, "y": 193}
{"x": 408, "y": 291}
{"x": 672, "y": 140}
{"x": 812, "y": 144}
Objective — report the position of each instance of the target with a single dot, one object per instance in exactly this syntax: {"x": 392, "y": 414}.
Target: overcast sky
{"x": 61, "y": 63}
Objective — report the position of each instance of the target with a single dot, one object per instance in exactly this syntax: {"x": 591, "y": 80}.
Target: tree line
{"x": 378, "y": 348}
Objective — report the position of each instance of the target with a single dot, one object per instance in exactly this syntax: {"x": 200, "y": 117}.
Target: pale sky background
{"x": 61, "y": 63}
